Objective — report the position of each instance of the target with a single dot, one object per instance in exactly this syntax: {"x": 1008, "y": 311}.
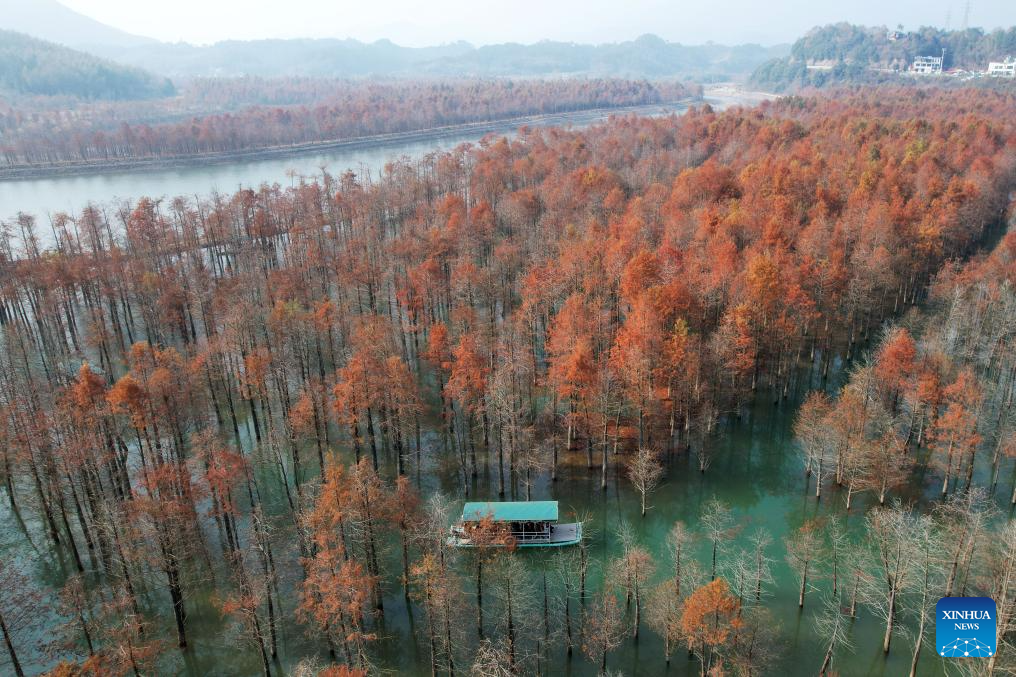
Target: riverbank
{"x": 47, "y": 191}
{"x": 499, "y": 126}
{"x": 720, "y": 96}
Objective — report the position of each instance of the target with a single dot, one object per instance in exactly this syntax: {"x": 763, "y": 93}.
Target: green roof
{"x": 511, "y": 511}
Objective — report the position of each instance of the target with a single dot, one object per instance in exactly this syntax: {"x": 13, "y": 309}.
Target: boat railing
{"x": 532, "y": 536}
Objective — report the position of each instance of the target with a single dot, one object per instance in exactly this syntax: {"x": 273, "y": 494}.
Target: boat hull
{"x": 561, "y": 535}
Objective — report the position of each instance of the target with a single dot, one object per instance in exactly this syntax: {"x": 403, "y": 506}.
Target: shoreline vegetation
{"x": 494, "y": 126}
{"x": 843, "y": 54}
{"x": 222, "y": 117}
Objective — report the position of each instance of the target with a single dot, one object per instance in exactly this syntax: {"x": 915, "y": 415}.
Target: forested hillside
{"x": 334, "y": 110}
{"x": 52, "y": 20}
{"x": 245, "y": 422}
{"x": 647, "y": 56}
{"x": 34, "y": 67}
{"x": 867, "y": 54}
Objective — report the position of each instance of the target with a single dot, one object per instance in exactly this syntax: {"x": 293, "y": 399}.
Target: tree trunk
{"x": 890, "y": 621}
{"x": 638, "y": 609}
{"x": 948, "y": 469}
{"x": 827, "y": 661}
{"x": 10, "y": 648}
{"x": 918, "y": 642}
{"x": 179, "y": 613}
{"x": 479, "y": 595}
{"x": 853, "y": 595}
{"x": 818, "y": 481}
{"x": 511, "y": 626}
{"x": 712, "y": 572}
{"x": 567, "y": 618}
{"x": 804, "y": 584}
{"x": 430, "y": 631}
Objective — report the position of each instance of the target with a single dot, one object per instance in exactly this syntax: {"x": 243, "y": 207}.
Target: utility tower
{"x": 966, "y": 15}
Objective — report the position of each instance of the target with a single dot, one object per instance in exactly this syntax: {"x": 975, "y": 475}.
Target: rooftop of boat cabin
{"x": 511, "y": 511}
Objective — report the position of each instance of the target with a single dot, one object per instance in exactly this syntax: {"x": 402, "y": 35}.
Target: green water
{"x": 756, "y": 470}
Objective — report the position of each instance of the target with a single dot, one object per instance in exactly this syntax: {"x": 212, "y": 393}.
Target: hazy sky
{"x": 426, "y": 22}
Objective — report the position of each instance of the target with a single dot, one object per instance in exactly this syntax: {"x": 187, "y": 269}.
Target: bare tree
{"x": 755, "y": 646}
{"x": 604, "y": 628}
{"x": 516, "y": 609}
{"x": 635, "y": 567}
{"x": 928, "y": 574}
{"x": 530, "y": 461}
{"x": 663, "y": 612}
{"x": 1003, "y": 591}
{"x": 492, "y": 660}
{"x": 566, "y": 563}
{"x": 686, "y": 572}
{"x": 437, "y": 593}
{"x": 750, "y": 570}
{"x": 835, "y": 627}
{"x": 964, "y": 517}
{"x": 886, "y": 464}
{"x": 813, "y": 433}
{"x": 803, "y": 548}
{"x": 488, "y": 540}
{"x": 718, "y": 523}
{"x": 836, "y": 546}
{"x": 645, "y": 471}
{"x": 702, "y": 433}
{"x": 890, "y": 561}
{"x": 436, "y": 585}
{"x": 76, "y": 605}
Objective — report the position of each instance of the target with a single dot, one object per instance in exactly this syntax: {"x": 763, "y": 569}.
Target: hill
{"x": 282, "y": 58}
{"x": 49, "y": 20}
{"x": 843, "y": 52}
{"x": 33, "y": 67}
{"x": 647, "y": 56}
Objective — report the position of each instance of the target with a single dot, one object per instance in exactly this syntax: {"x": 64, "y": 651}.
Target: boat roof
{"x": 510, "y": 511}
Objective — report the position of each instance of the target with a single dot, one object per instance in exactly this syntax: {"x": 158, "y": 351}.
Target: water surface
{"x": 46, "y": 196}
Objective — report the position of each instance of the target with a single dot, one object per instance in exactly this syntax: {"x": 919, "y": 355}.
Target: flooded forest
{"x": 766, "y": 357}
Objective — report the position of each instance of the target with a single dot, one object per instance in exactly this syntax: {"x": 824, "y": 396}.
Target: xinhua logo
{"x": 965, "y": 627}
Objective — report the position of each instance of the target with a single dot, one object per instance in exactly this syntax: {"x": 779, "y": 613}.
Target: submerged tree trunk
{"x": 10, "y": 648}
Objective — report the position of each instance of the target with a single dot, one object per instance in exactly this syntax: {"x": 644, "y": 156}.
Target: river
{"x": 45, "y": 196}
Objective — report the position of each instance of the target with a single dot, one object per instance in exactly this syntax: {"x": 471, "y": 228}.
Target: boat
{"x": 526, "y": 524}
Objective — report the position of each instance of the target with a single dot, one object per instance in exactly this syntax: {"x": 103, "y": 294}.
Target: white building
{"x": 1003, "y": 69}
{"x": 927, "y": 65}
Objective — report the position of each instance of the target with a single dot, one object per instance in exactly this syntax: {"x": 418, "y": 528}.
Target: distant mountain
{"x": 29, "y": 66}
{"x": 843, "y": 52}
{"x": 648, "y": 56}
{"x": 49, "y": 20}
{"x": 278, "y": 58}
